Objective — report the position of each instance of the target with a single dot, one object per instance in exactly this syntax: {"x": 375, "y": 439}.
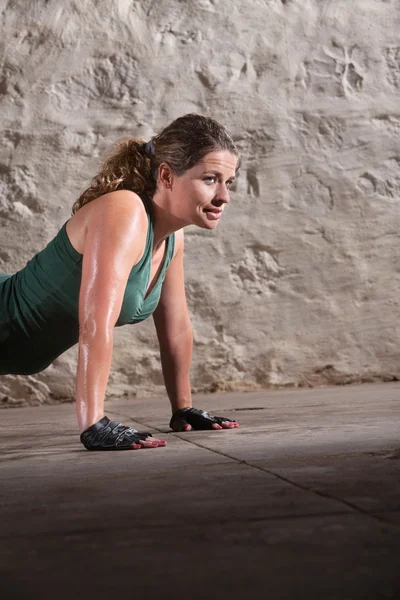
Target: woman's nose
{"x": 223, "y": 194}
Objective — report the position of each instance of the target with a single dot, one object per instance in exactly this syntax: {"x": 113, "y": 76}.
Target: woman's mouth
{"x": 213, "y": 213}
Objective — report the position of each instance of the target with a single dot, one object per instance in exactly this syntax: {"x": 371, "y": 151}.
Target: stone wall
{"x": 300, "y": 283}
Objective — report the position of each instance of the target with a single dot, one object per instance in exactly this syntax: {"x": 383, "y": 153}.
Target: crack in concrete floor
{"x": 352, "y": 505}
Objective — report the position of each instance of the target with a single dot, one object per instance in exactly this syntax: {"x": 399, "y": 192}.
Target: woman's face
{"x": 202, "y": 193}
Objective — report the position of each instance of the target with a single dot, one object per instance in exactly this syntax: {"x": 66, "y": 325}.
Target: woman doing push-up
{"x": 118, "y": 260}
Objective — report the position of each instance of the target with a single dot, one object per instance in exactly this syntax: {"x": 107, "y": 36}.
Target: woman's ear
{"x": 165, "y": 175}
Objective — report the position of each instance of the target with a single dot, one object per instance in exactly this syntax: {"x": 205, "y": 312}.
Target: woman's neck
{"x": 164, "y": 222}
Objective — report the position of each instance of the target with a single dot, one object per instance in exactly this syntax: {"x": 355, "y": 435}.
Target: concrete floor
{"x": 302, "y": 501}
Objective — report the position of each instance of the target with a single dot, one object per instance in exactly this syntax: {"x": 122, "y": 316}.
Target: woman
{"x": 118, "y": 260}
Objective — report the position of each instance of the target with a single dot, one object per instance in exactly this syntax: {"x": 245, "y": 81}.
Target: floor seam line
{"x": 325, "y": 495}
{"x": 351, "y": 505}
{"x": 356, "y": 508}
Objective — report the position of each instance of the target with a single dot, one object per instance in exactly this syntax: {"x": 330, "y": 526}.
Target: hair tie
{"x": 149, "y": 148}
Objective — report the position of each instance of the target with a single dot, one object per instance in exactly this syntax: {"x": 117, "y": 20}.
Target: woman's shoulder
{"x": 119, "y": 209}
{"x": 120, "y": 212}
{"x": 122, "y": 201}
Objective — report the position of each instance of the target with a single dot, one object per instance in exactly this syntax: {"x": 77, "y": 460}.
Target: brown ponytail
{"x": 128, "y": 165}
{"x": 181, "y": 144}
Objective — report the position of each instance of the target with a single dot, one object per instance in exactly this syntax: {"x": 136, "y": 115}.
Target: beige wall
{"x": 300, "y": 284}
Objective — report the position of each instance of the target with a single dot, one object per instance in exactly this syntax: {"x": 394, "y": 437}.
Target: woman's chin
{"x": 208, "y": 224}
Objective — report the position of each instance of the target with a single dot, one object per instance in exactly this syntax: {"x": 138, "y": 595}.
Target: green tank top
{"x": 39, "y": 303}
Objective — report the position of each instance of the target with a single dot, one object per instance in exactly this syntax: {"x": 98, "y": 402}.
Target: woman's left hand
{"x": 187, "y": 419}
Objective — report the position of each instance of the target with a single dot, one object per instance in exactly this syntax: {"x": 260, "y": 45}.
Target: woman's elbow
{"x": 93, "y": 329}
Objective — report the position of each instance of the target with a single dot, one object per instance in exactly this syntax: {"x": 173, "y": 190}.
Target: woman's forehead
{"x": 219, "y": 160}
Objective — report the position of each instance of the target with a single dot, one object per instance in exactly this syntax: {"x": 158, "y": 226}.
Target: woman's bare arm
{"x": 108, "y": 257}
{"x": 174, "y": 331}
{"x": 175, "y": 336}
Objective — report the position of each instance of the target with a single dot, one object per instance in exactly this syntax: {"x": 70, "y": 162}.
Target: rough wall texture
{"x": 300, "y": 283}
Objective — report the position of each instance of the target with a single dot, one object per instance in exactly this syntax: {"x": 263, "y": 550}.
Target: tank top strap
{"x": 171, "y": 248}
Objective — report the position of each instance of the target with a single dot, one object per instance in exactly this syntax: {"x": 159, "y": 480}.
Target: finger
{"x": 229, "y": 424}
{"x": 136, "y": 446}
{"x": 147, "y": 444}
{"x": 179, "y": 425}
{"x": 159, "y": 442}
{"x": 216, "y": 426}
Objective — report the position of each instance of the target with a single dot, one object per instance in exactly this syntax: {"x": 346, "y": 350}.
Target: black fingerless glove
{"x": 198, "y": 419}
{"x": 111, "y": 435}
